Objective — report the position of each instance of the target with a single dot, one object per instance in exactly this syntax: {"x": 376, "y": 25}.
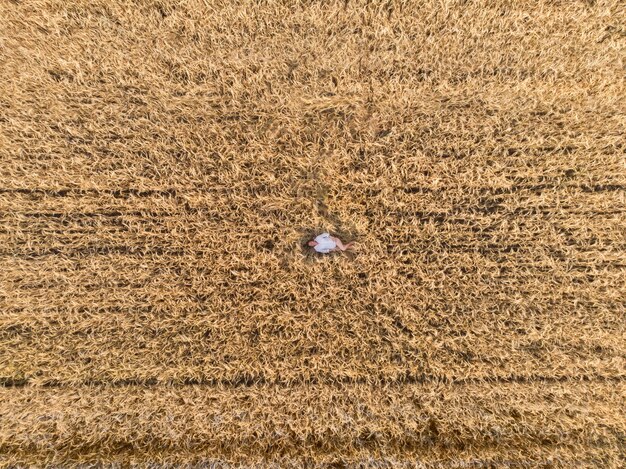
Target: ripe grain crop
{"x": 162, "y": 164}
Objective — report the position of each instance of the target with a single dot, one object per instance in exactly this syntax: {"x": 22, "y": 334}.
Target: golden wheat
{"x": 162, "y": 164}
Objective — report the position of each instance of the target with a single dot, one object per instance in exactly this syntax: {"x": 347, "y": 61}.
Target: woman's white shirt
{"x": 324, "y": 243}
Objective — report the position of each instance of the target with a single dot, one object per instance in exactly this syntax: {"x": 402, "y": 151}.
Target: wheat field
{"x": 163, "y": 163}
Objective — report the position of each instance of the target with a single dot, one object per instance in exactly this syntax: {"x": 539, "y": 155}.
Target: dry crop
{"x": 162, "y": 163}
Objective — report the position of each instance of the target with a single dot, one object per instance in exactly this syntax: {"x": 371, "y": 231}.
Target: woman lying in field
{"x": 326, "y": 243}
